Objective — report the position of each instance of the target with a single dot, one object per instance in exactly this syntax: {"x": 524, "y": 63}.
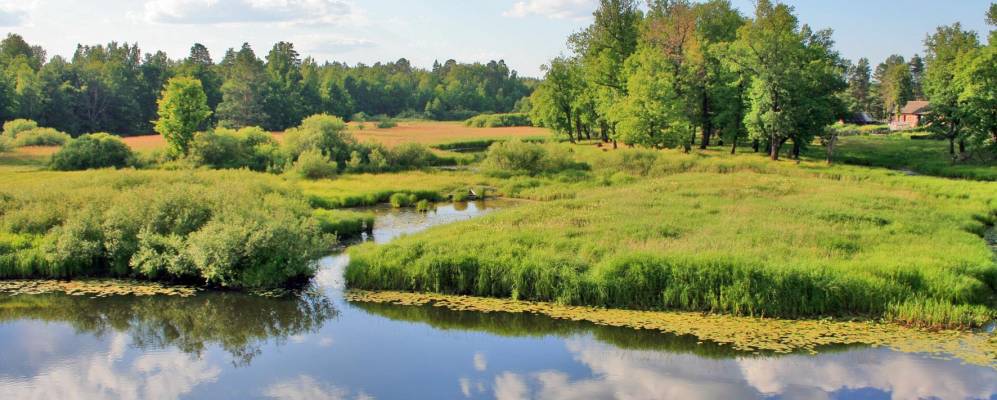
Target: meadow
{"x": 900, "y": 151}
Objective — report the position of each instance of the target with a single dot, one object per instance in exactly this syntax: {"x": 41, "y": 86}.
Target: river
{"x": 319, "y": 346}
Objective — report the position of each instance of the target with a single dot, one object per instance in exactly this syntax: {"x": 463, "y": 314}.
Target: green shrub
{"x": 234, "y": 229}
{"x": 423, "y": 206}
{"x": 521, "y": 158}
{"x": 249, "y": 147}
{"x": 498, "y": 120}
{"x": 411, "y": 156}
{"x": 95, "y": 150}
{"x": 41, "y": 137}
{"x": 13, "y": 127}
{"x": 385, "y": 122}
{"x": 321, "y": 132}
{"x": 312, "y": 164}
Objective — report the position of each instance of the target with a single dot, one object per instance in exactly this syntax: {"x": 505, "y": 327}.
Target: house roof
{"x": 916, "y": 107}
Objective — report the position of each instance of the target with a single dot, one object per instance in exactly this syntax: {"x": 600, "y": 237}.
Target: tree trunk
{"x": 952, "y": 146}
{"x": 707, "y": 123}
{"x": 796, "y": 149}
{"x": 733, "y": 146}
{"x": 962, "y": 147}
{"x": 830, "y": 149}
{"x": 754, "y": 145}
{"x": 692, "y": 137}
{"x": 774, "y": 149}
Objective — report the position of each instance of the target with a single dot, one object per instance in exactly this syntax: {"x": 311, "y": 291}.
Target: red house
{"x": 910, "y": 116}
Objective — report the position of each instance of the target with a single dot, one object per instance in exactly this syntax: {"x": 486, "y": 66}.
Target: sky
{"x": 524, "y": 33}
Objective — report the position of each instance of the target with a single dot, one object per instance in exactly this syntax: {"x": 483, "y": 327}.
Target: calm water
{"x": 317, "y": 346}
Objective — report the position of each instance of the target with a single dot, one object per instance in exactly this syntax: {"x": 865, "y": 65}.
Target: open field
{"x": 423, "y": 132}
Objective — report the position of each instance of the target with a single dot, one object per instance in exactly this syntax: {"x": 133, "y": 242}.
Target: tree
{"x": 859, "y": 84}
{"x": 896, "y": 84}
{"x": 244, "y": 90}
{"x": 976, "y": 76}
{"x": 554, "y": 100}
{"x": 183, "y": 108}
{"x": 945, "y": 50}
{"x": 916, "y": 66}
{"x": 796, "y": 76}
{"x": 283, "y": 103}
{"x": 200, "y": 66}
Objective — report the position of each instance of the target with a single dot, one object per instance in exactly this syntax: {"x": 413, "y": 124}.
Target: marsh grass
{"x": 345, "y": 224}
{"x": 738, "y": 235}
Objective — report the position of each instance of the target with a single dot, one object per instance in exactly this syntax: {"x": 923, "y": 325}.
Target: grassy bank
{"x": 737, "y": 235}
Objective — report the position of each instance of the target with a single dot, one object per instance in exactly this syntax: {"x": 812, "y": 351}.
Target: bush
{"x": 13, "y": 127}
{"x": 249, "y": 147}
{"x": 344, "y": 224}
{"x": 410, "y": 156}
{"x": 233, "y": 229}
{"x": 521, "y": 158}
{"x": 321, "y": 132}
{"x": 96, "y": 150}
{"x": 387, "y": 123}
{"x": 498, "y": 120}
{"x": 41, "y": 137}
{"x": 312, "y": 164}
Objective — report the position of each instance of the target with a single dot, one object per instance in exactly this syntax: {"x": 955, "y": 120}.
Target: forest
{"x": 114, "y": 87}
{"x": 661, "y": 78}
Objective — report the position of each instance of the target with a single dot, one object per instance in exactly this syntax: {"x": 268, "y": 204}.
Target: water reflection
{"x": 237, "y": 323}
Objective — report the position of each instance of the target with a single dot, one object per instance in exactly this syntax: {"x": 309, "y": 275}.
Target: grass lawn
{"x": 707, "y": 232}
{"x": 899, "y": 151}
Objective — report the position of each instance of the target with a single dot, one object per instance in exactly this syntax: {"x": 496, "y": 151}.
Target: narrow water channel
{"x": 318, "y": 346}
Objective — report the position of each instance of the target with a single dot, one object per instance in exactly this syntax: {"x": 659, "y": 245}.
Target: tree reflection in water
{"x": 238, "y": 323}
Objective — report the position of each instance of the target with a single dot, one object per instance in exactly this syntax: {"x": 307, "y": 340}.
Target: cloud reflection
{"x": 630, "y": 374}
{"x": 111, "y": 375}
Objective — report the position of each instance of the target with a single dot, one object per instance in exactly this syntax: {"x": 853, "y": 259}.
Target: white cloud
{"x": 291, "y": 12}
{"x": 480, "y": 362}
{"x": 510, "y": 386}
{"x": 15, "y": 13}
{"x": 305, "y": 387}
{"x": 555, "y": 9}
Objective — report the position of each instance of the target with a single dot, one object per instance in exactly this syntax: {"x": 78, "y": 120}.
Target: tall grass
{"x": 736, "y": 235}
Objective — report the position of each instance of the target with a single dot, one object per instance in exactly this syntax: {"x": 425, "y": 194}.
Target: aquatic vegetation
{"x": 94, "y": 288}
{"x": 743, "y": 334}
{"x": 344, "y": 223}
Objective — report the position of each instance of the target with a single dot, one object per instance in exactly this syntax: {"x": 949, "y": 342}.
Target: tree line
{"x": 681, "y": 73}
{"x": 115, "y": 87}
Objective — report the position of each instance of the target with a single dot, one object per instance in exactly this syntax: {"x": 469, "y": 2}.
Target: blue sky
{"x": 525, "y": 33}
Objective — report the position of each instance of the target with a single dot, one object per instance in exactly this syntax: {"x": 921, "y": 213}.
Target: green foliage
{"x": 385, "y": 122}
{"x": 313, "y": 164}
{"x": 902, "y": 152}
{"x": 498, "y": 120}
{"x": 183, "y": 109}
{"x": 40, "y": 137}
{"x": 92, "y": 151}
{"x": 232, "y": 229}
{"x": 249, "y": 147}
{"x": 521, "y": 158}
{"x": 13, "y": 127}
{"x": 321, "y": 132}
